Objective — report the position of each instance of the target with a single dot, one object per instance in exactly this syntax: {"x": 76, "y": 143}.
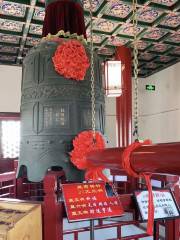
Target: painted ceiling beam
{"x": 26, "y": 30}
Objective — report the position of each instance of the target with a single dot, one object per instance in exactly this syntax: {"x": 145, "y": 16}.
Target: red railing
{"x": 8, "y": 185}
{"x": 53, "y": 207}
{"x": 117, "y": 225}
{"x": 8, "y": 178}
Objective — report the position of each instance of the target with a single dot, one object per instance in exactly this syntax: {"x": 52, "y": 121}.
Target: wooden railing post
{"x": 52, "y": 209}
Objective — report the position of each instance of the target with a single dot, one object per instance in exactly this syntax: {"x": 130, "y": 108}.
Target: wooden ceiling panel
{"x": 158, "y": 30}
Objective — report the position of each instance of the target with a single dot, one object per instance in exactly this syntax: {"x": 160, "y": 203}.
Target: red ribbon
{"x": 126, "y": 163}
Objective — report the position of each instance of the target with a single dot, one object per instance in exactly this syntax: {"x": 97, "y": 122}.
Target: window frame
{"x": 7, "y": 116}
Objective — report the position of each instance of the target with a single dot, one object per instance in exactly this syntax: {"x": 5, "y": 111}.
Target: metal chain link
{"x": 135, "y": 63}
{"x": 93, "y": 122}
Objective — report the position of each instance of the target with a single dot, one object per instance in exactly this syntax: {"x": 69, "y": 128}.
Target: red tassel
{"x": 150, "y": 223}
{"x": 126, "y": 163}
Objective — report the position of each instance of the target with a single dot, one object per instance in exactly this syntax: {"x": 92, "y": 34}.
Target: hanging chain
{"x": 93, "y": 111}
{"x": 135, "y": 63}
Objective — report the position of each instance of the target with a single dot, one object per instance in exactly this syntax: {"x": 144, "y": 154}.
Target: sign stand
{"x": 155, "y": 231}
{"x": 91, "y": 229}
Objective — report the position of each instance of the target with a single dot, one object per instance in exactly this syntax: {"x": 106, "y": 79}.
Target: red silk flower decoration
{"x": 83, "y": 144}
{"x": 70, "y": 60}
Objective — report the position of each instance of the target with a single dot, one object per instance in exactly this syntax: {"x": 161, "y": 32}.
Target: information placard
{"x": 85, "y": 201}
{"x": 165, "y": 205}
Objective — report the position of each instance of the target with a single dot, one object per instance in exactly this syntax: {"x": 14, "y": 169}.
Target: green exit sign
{"x": 150, "y": 87}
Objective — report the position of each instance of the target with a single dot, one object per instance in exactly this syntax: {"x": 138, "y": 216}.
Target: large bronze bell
{"x": 53, "y": 111}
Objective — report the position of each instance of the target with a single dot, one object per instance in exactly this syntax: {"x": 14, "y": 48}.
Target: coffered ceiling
{"x": 158, "y": 30}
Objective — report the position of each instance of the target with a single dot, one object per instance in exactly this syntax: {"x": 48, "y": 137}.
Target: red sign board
{"x": 85, "y": 201}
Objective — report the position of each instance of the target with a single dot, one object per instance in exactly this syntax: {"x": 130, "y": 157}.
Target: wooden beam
{"x": 158, "y": 158}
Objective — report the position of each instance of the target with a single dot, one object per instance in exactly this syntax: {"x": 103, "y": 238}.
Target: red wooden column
{"x": 124, "y": 102}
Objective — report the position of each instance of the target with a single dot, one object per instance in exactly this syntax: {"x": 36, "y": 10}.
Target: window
{"x": 9, "y": 135}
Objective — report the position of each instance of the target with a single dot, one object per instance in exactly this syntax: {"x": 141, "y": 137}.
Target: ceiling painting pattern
{"x": 158, "y": 30}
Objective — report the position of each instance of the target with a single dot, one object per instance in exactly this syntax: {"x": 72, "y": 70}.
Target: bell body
{"x": 53, "y": 111}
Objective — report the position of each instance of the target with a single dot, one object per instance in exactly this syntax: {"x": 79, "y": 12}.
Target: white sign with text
{"x": 164, "y": 204}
